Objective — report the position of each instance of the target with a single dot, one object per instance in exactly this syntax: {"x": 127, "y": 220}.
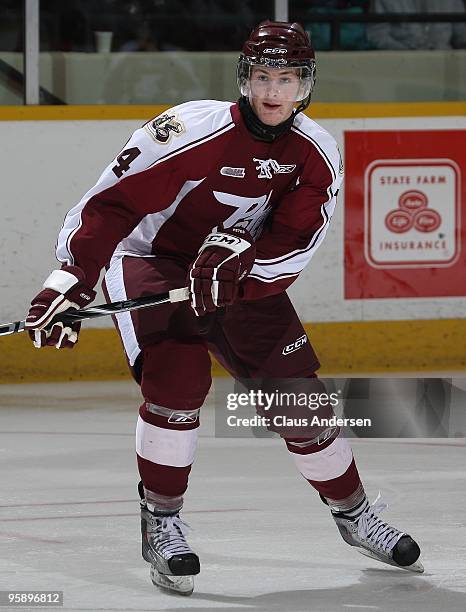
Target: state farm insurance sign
{"x": 403, "y": 214}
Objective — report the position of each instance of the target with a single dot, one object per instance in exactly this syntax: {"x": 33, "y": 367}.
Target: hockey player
{"x": 233, "y": 199}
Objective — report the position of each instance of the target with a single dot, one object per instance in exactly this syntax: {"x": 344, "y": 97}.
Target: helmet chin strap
{"x": 259, "y": 129}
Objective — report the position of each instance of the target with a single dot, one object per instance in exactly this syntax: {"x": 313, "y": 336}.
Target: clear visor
{"x": 283, "y": 84}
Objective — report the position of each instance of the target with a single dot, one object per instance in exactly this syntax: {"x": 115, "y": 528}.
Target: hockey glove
{"x": 63, "y": 289}
{"x": 224, "y": 260}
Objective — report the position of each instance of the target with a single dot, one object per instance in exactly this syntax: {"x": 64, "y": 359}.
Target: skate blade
{"x": 416, "y": 567}
{"x": 182, "y": 585}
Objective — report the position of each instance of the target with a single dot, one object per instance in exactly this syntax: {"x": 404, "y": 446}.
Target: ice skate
{"x": 173, "y": 563}
{"x": 377, "y": 539}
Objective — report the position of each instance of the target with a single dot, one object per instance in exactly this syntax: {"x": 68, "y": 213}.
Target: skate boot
{"x": 362, "y": 528}
{"x": 173, "y": 563}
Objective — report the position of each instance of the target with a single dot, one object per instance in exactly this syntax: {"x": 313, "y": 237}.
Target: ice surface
{"x": 70, "y": 515}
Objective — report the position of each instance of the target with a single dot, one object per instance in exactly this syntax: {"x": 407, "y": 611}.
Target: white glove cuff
{"x": 60, "y": 281}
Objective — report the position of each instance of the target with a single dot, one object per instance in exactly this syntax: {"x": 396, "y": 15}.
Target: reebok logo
{"x": 325, "y": 435}
{"x": 184, "y": 416}
{"x": 268, "y": 167}
{"x": 294, "y": 346}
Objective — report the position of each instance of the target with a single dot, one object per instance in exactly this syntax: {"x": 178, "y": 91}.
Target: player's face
{"x": 273, "y": 93}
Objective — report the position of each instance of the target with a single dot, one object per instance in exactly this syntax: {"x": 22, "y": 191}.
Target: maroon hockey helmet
{"x": 278, "y": 44}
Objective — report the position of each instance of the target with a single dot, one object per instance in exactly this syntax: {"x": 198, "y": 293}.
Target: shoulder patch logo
{"x": 236, "y": 172}
{"x": 162, "y": 128}
{"x": 340, "y": 166}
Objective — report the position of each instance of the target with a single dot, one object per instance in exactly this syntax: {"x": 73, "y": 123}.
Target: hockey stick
{"x": 72, "y": 315}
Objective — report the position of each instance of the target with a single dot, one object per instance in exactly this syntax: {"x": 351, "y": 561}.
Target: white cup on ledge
{"x": 103, "y": 41}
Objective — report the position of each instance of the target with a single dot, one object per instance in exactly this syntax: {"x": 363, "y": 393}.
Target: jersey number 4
{"x": 124, "y": 160}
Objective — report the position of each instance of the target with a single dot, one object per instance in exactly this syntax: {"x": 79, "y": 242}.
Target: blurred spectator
{"x": 417, "y": 35}
{"x": 199, "y": 25}
{"x": 64, "y": 26}
{"x": 135, "y": 31}
{"x": 223, "y": 25}
{"x": 70, "y": 25}
{"x": 148, "y": 25}
{"x": 352, "y": 35}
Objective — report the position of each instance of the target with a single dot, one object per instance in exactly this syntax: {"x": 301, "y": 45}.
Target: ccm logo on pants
{"x": 294, "y": 346}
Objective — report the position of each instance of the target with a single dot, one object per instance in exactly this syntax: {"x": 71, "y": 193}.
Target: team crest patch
{"x": 162, "y": 128}
{"x": 340, "y": 166}
{"x": 268, "y": 167}
{"x": 235, "y": 172}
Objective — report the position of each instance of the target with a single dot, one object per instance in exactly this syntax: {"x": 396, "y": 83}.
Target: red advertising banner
{"x": 405, "y": 199}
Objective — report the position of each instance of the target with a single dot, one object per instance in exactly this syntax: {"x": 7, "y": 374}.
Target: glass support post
{"x": 281, "y": 10}
{"x": 31, "y": 51}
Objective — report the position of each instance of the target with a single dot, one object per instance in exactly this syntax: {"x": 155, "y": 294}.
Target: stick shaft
{"x": 103, "y": 310}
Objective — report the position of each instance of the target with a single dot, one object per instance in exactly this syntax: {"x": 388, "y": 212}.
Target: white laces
{"x": 168, "y": 533}
{"x": 373, "y": 529}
